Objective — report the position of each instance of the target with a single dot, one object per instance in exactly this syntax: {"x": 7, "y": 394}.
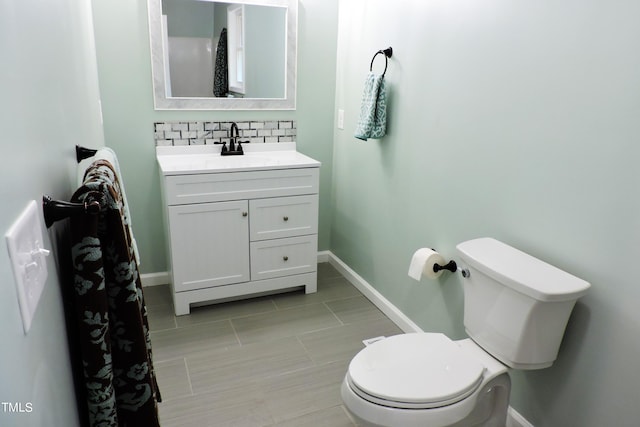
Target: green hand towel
{"x": 373, "y": 110}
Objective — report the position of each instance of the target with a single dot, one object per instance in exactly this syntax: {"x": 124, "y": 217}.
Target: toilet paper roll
{"x": 422, "y": 263}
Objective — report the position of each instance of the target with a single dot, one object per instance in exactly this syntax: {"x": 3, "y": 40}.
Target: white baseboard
{"x": 323, "y": 256}
{"x": 390, "y": 310}
{"x": 154, "y": 279}
{"x": 514, "y": 419}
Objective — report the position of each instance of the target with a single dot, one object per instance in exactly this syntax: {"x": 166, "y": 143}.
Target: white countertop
{"x": 196, "y": 159}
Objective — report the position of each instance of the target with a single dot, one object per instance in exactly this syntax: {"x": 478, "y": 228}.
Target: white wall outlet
{"x": 340, "y": 118}
{"x": 28, "y": 259}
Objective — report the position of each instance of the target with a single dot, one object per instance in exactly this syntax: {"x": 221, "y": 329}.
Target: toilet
{"x": 515, "y": 313}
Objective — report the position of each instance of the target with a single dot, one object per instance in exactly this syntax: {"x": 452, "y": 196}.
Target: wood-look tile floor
{"x": 276, "y": 360}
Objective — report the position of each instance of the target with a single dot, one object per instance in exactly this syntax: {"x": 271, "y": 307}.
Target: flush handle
{"x": 285, "y": 258}
{"x": 285, "y": 218}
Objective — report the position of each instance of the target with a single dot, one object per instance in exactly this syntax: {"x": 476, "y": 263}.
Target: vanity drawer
{"x": 280, "y": 217}
{"x": 283, "y": 257}
{"x": 215, "y": 187}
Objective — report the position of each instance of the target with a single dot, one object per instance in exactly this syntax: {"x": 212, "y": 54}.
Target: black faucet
{"x": 233, "y": 148}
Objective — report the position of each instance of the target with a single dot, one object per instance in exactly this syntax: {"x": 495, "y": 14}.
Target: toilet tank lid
{"x": 520, "y": 271}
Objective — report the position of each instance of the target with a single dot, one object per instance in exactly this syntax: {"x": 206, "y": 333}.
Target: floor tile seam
{"x": 300, "y": 417}
{"x": 169, "y": 360}
{"x": 334, "y": 314}
{"x": 343, "y": 298}
{"x": 175, "y": 330}
{"x": 193, "y": 325}
{"x": 152, "y": 331}
{"x": 186, "y": 366}
{"x": 306, "y": 351}
{"x": 201, "y": 352}
{"x": 318, "y": 304}
{"x": 235, "y": 333}
{"x": 156, "y": 305}
{"x": 230, "y": 318}
{"x": 344, "y": 409}
{"x": 263, "y": 382}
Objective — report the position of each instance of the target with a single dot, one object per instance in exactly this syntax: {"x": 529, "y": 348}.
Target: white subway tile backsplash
{"x": 197, "y": 133}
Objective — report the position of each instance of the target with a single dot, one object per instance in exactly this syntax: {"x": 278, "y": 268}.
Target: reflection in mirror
{"x": 221, "y": 54}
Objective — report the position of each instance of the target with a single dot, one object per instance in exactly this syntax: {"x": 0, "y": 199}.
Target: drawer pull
{"x": 285, "y": 258}
{"x": 285, "y": 218}
{"x": 244, "y": 214}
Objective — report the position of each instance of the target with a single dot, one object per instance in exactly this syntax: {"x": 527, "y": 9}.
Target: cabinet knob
{"x": 244, "y": 214}
{"x": 285, "y": 218}
{"x": 285, "y": 258}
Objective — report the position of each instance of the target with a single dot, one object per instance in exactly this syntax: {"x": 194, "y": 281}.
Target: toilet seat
{"x": 414, "y": 371}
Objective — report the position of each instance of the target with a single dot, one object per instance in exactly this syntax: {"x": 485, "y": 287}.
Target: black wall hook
{"x": 55, "y": 210}
{"x": 388, "y": 53}
{"x": 84, "y": 153}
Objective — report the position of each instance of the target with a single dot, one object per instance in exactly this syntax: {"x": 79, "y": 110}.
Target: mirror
{"x": 192, "y": 70}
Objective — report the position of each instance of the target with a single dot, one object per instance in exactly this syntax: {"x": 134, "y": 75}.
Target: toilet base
{"x": 487, "y": 407}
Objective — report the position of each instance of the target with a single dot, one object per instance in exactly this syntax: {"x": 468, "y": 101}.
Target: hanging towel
{"x": 106, "y": 153}
{"x": 373, "y": 110}
{"x": 221, "y": 71}
{"x": 113, "y": 329}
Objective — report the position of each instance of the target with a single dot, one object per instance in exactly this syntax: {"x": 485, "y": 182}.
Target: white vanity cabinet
{"x": 239, "y": 225}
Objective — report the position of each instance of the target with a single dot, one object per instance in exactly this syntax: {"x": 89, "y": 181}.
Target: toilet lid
{"x": 420, "y": 370}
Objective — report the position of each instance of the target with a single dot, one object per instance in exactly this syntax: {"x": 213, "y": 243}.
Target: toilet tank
{"x": 516, "y": 307}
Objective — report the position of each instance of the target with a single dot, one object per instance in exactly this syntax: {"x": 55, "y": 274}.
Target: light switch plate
{"x": 28, "y": 259}
{"x": 340, "y": 118}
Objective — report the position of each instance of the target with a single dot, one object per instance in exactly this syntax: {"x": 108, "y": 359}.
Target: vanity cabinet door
{"x": 209, "y": 244}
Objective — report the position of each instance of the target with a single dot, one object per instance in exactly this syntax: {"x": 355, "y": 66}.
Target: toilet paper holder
{"x": 451, "y": 266}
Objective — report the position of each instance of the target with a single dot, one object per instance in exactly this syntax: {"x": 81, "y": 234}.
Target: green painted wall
{"x": 127, "y": 100}
{"x": 49, "y": 103}
{"x": 517, "y": 120}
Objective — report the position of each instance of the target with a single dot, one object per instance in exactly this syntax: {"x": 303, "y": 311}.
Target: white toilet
{"x": 516, "y": 310}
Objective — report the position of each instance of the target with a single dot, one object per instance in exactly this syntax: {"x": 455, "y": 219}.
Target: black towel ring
{"x": 388, "y": 52}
